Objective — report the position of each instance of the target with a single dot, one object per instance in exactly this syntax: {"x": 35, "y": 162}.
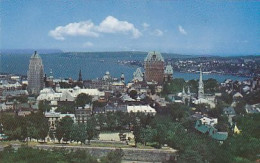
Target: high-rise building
{"x": 35, "y": 74}
{"x": 201, "y": 86}
{"x": 154, "y": 67}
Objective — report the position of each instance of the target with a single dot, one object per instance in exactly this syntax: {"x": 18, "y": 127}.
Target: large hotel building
{"x": 154, "y": 67}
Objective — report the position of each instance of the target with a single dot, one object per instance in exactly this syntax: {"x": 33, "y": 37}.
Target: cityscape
{"x": 126, "y": 94}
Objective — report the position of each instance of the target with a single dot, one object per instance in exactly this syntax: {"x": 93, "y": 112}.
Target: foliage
{"x": 33, "y": 126}
{"x": 240, "y": 107}
{"x": 83, "y": 99}
{"x": 97, "y": 104}
{"x": 44, "y": 106}
{"x": 210, "y": 85}
{"x": 133, "y": 94}
{"x": 64, "y": 129}
{"x": 177, "y": 111}
{"x": 175, "y": 86}
{"x": 253, "y": 97}
{"x": 30, "y": 155}
{"x": 91, "y": 129}
{"x": 65, "y": 109}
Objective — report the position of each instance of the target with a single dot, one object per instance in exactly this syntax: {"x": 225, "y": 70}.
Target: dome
{"x": 76, "y": 88}
{"x": 154, "y": 56}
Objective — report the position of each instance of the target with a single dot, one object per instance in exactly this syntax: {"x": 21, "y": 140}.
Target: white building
{"x": 209, "y": 121}
{"x": 141, "y": 108}
{"x": 35, "y": 74}
{"x": 54, "y": 117}
{"x": 67, "y": 94}
{"x": 203, "y": 98}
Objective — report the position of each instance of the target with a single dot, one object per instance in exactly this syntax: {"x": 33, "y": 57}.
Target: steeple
{"x": 188, "y": 90}
{"x": 122, "y": 77}
{"x": 201, "y": 86}
{"x": 80, "y": 76}
{"x": 183, "y": 91}
{"x": 51, "y": 74}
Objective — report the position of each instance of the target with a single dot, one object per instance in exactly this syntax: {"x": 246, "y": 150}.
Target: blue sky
{"x": 187, "y": 27}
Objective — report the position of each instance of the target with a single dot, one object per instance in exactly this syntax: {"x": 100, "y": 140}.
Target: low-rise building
{"x": 82, "y": 114}
{"x": 252, "y": 109}
{"x": 206, "y": 125}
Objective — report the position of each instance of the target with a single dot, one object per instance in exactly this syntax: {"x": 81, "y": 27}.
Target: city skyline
{"x": 195, "y": 27}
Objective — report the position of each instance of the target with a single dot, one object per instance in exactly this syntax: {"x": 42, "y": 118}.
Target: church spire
{"x": 80, "y": 76}
{"x": 183, "y": 91}
{"x": 201, "y": 86}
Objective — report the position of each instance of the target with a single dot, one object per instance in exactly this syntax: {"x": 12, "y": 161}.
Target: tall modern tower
{"x": 35, "y": 74}
{"x": 201, "y": 86}
{"x": 154, "y": 67}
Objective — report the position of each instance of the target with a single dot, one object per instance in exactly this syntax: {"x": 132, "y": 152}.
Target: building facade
{"x": 168, "y": 73}
{"x": 35, "y": 74}
{"x": 154, "y": 67}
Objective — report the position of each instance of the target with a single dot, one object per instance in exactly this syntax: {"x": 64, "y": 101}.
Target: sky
{"x": 171, "y": 26}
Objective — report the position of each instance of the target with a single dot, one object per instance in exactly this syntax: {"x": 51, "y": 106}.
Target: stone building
{"x": 35, "y": 74}
{"x": 82, "y": 114}
{"x": 168, "y": 73}
{"x": 154, "y": 67}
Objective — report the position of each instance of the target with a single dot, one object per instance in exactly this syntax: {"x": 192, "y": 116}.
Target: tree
{"x": 133, "y": 94}
{"x": 64, "y": 129}
{"x": 137, "y": 133}
{"x": 211, "y": 85}
{"x": 44, "y": 106}
{"x": 175, "y": 86}
{"x": 65, "y": 109}
{"x": 101, "y": 120}
{"x": 190, "y": 155}
{"x": 146, "y": 134}
{"x": 177, "y": 111}
{"x": 37, "y": 126}
{"x": 78, "y": 133}
{"x": 111, "y": 121}
{"x": 240, "y": 107}
{"x": 59, "y": 132}
{"x": 83, "y": 99}
{"x": 91, "y": 129}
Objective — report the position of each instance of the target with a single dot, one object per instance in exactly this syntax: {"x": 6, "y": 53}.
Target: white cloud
{"x": 84, "y": 28}
{"x": 88, "y": 44}
{"x": 182, "y": 30}
{"x": 145, "y": 26}
{"x": 113, "y": 25}
{"x": 157, "y": 32}
{"x": 87, "y": 28}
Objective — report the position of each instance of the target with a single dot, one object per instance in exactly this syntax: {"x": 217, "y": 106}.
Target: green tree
{"x": 64, "y": 129}
{"x": 91, "y": 129}
{"x": 211, "y": 85}
{"x": 133, "y": 94}
{"x": 44, "y": 106}
{"x": 83, "y": 99}
{"x": 190, "y": 155}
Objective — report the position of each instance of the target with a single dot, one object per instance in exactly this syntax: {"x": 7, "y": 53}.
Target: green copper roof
{"x": 168, "y": 69}
{"x": 154, "y": 56}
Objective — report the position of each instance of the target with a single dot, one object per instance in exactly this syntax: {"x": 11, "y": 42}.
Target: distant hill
{"x": 134, "y": 53}
{"x": 30, "y": 51}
